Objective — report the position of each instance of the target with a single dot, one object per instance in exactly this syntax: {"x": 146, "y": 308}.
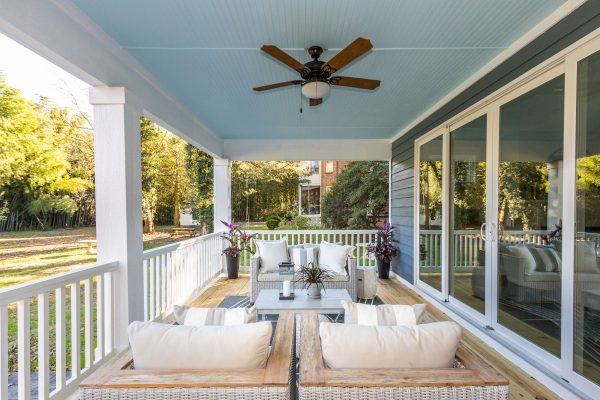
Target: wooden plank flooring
{"x": 522, "y": 385}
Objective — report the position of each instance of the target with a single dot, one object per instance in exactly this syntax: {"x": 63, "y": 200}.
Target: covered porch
{"x": 447, "y": 71}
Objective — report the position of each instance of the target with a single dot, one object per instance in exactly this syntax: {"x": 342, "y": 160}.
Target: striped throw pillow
{"x": 383, "y": 315}
{"x": 195, "y": 316}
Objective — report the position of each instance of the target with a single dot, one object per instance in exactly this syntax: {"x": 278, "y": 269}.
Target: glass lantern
{"x": 286, "y": 276}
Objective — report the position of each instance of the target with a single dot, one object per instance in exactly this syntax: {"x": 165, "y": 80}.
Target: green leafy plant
{"x": 239, "y": 240}
{"x": 273, "y": 222}
{"x": 313, "y": 275}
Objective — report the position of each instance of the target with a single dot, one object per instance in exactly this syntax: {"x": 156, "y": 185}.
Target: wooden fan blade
{"x": 284, "y": 57}
{"x": 276, "y": 85}
{"x": 348, "y": 54}
{"x": 314, "y": 102}
{"x": 360, "y": 83}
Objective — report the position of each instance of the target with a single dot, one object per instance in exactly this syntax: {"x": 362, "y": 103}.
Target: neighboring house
{"x": 310, "y": 194}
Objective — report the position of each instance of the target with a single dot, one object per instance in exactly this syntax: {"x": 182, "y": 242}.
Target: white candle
{"x": 286, "y": 288}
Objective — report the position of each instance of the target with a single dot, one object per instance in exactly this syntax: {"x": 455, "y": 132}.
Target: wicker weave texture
{"x": 215, "y": 393}
{"x": 256, "y": 286}
{"x": 405, "y": 393}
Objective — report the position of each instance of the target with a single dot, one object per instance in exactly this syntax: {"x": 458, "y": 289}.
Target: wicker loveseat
{"x": 471, "y": 379}
{"x": 120, "y": 380}
{"x": 260, "y": 281}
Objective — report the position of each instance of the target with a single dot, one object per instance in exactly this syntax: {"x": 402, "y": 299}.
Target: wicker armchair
{"x": 470, "y": 379}
{"x": 259, "y": 281}
{"x": 119, "y": 380}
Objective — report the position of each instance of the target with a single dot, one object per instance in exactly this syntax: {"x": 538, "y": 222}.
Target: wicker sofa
{"x": 260, "y": 281}
{"x": 471, "y": 378}
{"x": 120, "y": 380}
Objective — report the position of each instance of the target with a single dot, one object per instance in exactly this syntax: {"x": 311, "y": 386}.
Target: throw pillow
{"x": 333, "y": 257}
{"x": 385, "y": 314}
{"x": 163, "y": 346}
{"x": 271, "y": 253}
{"x": 423, "y": 346}
{"x": 525, "y": 256}
{"x": 196, "y": 316}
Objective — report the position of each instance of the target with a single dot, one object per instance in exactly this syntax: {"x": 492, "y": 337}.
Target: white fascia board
{"x": 308, "y": 149}
{"x": 568, "y": 7}
{"x": 63, "y": 34}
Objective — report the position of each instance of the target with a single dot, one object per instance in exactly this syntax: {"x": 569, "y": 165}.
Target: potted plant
{"x": 313, "y": 278}
{"x": 384, "y": 249}
{"x": 239, "y": 241}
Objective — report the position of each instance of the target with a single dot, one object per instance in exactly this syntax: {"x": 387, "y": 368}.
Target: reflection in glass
{"x": 430, "y": 212}
{"x": 529, "y": 214}
{"x": 586, "y": 356}
{"x": 467, "y": 213}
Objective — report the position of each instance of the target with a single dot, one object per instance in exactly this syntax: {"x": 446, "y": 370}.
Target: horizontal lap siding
{"x": 402, "y": 206}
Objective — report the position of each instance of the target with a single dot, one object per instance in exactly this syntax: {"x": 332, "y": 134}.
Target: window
{"x": 328, "y": 167}
{"x": 310, "y": 200}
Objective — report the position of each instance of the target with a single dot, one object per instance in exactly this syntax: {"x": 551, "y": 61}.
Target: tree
{"x": 358, "y": 198}
{"x": 35, "y": 172}
{"x": 199, "y": 166}
{"x": 264, "y": 188}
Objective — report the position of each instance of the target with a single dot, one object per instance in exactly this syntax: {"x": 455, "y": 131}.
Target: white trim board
{"x": 551, "y": 381}
{"x": 308, "y": 149}
{"x": 524, "y": 40}
{"x": 63, "y": 34}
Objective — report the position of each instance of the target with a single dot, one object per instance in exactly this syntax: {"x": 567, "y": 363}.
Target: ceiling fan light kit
{"x": 316, "y": 75}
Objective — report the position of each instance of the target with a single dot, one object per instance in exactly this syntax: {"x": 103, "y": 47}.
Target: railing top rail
{"x": 178, "y": 245}
{"x": 33, "y": 288}
{"x": 314, "y": 231}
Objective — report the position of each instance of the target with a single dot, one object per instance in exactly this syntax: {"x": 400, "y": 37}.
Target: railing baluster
{"x": 152, "y": 289}
{"x": 61, "y": 338}
{"x": 23, "y": 352}
{"x": 100, "y": 350}
{"x": 108, "y": 313}
{"x": 89, "y": 323}
{"x": 3, "y": 352}
{"x": 75, "y": 330}
{"x": 43, "y": 346}
{"x": 145, "y": 283}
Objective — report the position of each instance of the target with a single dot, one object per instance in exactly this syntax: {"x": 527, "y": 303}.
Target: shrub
{"x": 273, "y": 222}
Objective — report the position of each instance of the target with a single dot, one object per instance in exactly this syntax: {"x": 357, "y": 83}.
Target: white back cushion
{"x": 157, "y": 346}
{"x": 272, "y": 252}
{"x": 523, "y": 253}
{"x": 385, "y": 314}
{"x": 333, "y": 257}
{"x": 196, "y": 316}
{"x": 399, "y": 347}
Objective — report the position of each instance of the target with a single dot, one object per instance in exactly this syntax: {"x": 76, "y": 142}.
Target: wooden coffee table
{"x": 330, "y": 302}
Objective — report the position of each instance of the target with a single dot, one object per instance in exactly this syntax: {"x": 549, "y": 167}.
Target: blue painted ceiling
{"x": 207, "y": 54}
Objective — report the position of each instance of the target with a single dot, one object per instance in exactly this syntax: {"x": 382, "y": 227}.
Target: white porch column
{"x": 222, "y": 192}
{"x": 119, "y": 200}
{"x": 555, "y": 193}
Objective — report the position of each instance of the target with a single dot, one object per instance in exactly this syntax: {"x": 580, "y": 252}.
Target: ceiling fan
{"x": 316, "y": 74}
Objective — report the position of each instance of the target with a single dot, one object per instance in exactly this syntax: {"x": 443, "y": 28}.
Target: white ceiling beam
{"x": 308, "y": 149}
{"x": 63, "y": 34}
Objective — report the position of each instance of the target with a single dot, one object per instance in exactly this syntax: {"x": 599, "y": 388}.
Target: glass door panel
{"x": 529, "y": 214}
{"x": 467, "y": 253}
{"x": 430, "y": 212}
{"x": 586, "y": 340}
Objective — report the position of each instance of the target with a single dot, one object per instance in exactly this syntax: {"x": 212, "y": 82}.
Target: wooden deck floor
{"x": 522, "y": 385}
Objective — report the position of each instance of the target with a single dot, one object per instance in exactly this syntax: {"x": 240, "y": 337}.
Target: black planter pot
{"x": 383, "y": 268}
{"x": 233, "y": 266}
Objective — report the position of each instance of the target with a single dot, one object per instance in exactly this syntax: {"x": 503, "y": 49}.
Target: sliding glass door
{"x": 431, "y": 173}
{"x": 529, "y": 208}
{"x": 586, "y": 340}
{"x": 468, "y": 182}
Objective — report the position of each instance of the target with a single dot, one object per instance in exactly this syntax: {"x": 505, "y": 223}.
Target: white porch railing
{"x": 90, "y": 287}
{"x": 174, "y": 273}
{"x": 360, "y": 239}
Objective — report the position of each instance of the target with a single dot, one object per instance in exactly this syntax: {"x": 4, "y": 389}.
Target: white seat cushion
{"x": 195, "y": 316}
{"x": 162, "y": 346}
{"x": 271, "y": 253}
{"x": 398, "y": 347}
{"x": 333, "y": 257}
{"x": 385, "y": 314}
